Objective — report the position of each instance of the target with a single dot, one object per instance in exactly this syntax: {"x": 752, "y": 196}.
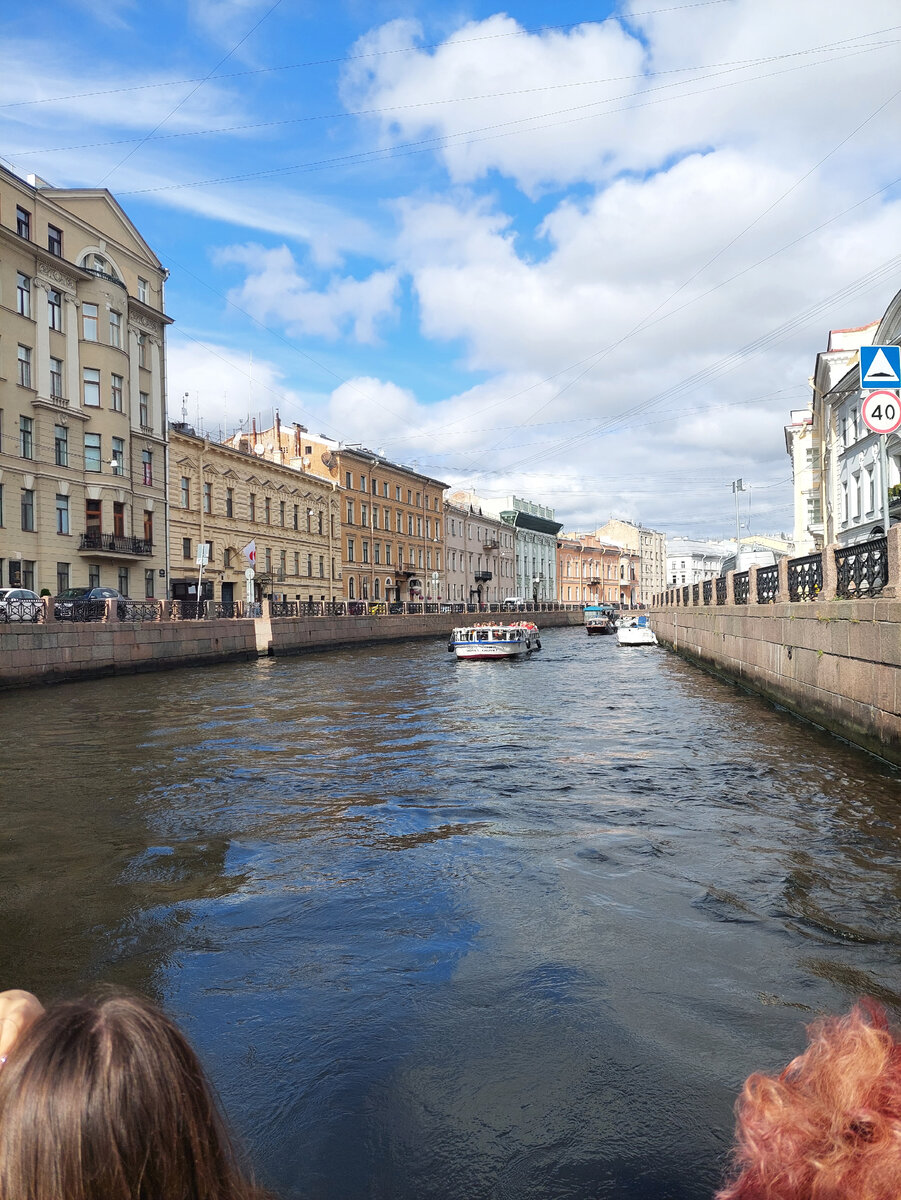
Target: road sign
{"x": 249, "y": 573}
{"x": 880, "y": 367}
{"x": 881, "y": 412}
{"x": 203, "y": 554}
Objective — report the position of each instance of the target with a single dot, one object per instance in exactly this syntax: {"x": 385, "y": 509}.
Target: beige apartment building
{"x": 230, "y": 499}
{"x": 82, "y": 393}
{"x": 650, "y": 547}
{"x": 479, "y": 553}
{"x": 392, "y": 537}
{"x": 594, "y": 571}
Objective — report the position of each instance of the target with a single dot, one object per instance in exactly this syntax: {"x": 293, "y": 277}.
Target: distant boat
{"x": 635, "y": 631}
{"x": 495, "y": 641}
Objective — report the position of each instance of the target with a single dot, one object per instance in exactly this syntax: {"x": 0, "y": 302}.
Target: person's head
{"x": 103, "y": 1099}
{"x": 829, "y": 1126}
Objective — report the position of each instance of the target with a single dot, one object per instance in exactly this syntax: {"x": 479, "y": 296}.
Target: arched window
{"x": 350, "y": 588}
{"x": 376, "y": 588}
{"x": 364, "y": 589}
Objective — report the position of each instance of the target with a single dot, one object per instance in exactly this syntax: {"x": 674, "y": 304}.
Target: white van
{"x": 748, "y": 558}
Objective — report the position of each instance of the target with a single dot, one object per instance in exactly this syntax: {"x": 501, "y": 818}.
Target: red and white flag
{"x": 250, "y": 553}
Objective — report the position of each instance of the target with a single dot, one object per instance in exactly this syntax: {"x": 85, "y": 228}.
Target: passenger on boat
{"x": 103, "y": 1099}
{"x": 829, "y": 1126}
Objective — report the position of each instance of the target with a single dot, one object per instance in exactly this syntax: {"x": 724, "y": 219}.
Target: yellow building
{"x": 82, "y": 393}
{"x": 392, "y": 534}
{"x": 230, "y": 498}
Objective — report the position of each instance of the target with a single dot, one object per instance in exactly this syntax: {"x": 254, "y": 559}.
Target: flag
{"x": 250, "y": 553}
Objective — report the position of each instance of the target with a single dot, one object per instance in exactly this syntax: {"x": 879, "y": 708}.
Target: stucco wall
{"x": 837, "y": 663}
{"x": 52, "y": 653}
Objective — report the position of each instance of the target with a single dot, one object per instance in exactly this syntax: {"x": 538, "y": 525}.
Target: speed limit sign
{"x": 881, "y": 411}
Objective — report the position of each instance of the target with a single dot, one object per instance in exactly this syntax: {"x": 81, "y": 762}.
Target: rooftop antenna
{"x": 184, "y": 409}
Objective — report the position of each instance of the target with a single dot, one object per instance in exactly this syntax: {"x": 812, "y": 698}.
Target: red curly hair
{"x": 828, "y": 1127}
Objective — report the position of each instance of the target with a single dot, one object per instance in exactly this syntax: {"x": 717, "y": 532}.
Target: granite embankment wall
{"x": 834, "y": 662}
{"x": 59, "y": 651}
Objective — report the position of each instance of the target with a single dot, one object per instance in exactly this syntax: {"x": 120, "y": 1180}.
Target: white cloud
{"x": 276, "y": 291}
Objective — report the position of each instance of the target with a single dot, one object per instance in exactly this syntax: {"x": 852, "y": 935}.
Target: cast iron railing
{"x": 721, "y": 589}
{"x": 741, "y": 587}
{"x": 695, "y": 593}
{"x": 114, "y": 542}
{"x": 138, "y": 610}
{"x": 22, "y": 609}
{"x": 767, "y": 584}
{"x": 862, "y": 570}
{"x": 708, "y": 591}
{"x": 80, "y": 610}
{"x": 805, "y": 577}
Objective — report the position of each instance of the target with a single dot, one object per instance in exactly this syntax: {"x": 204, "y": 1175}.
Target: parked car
{"x": 19, "y": 604}
{"x": 513, "y": 602}
{"x": 65, "y": 607}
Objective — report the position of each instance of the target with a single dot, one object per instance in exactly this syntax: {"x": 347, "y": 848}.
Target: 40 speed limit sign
{"x": 881, "y": 412}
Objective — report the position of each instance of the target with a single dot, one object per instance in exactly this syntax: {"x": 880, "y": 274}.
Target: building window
{"x": 229, "y": 502}
{"x": 364, "y": 514}
{"x": 207, "y": 497}
{"x": 365, "y": 552}
{"x": 61, "y": 445}
{"x": 115, "y": 329}
{"x": 350, "y": 549}
{"x": 376, "y": 589}
{"x": 282, "y": 564}
{"x": 62, "y": 577}
{"x": 143, "y": 290}
{"x": 309, "y": 565}
{"x": 91, "y": 384}
{"x": 362, "y": 483}
{"x": 267, "y": 510}
{"x": 123, "y": 580}
{"x": 54, "y": 309}
{"x": 28, "y": 510}
{"x": 397, "y": 493}
{"x": 93, "y": 575}
{"x": 62, "y": 514}
{"x": 142, "y": 349}
{"x": 350, "y": 512}
{"x": 26, "y": 437}
{"x": 185, "y": 492}
{"x": 296, "y": 516}
{"x": 253, "y": 507}
{"x": 55, "y": 240}
{"x": 377, "y": 553}
{"x": 148, "y": 583}
{"x": 348, "y": 479}
{"x": 268, "y": 560}
{"x": 144, "y": 409}
{"x": 387, "y": 554}
{"x": 186, "y": 548}
{"x": 147, "y": 465}
{"x": 296, "y": 563}
{"x": 24, "y": 366}
{"x": 28, "y": 573}
{"x": 92, "y": 451}
{"x": 310, "y": 520}
{"x": 118, "y": 460}
{"x": 23, "y": 222}
{"x": 321, "y": 567}
{"x": 118, "y": 519}
{"x": 56, "y": 378}
{"x": 89, "y": 322}
{"x": 23, "y": 295}
{"x": 281, "y": 513}
{"x": 116, "y": 392}
{"x": 385, "y": 489}
{"x": 350, "y": 588}
{"x": 148, "y": 526}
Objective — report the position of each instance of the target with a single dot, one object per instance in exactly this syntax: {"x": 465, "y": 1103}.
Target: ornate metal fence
{"x": 22, "y": 610}
{"x": 708, "y": 591}
{"x": 695, "y": 593}
{"x": 80, "y": 610}
{"x": 187, "y": 610}
{"x": 741, "y": 587}
{"x": 139, "y": 610}
{"x": 284, "y": 608}
{"x": 767, "y": 584}
{"x": 721, "y": 582}
{"x": 862, "y": 569}
{"x": 805, "y": 577}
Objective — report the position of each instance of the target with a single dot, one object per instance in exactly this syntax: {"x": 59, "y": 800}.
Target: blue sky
{"x": 583, "y": 253}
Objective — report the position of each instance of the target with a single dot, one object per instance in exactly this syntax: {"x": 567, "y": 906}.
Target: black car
{"x": 71, "y": 605}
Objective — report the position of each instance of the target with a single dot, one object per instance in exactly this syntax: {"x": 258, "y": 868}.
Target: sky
{"x": 583, "y": 253}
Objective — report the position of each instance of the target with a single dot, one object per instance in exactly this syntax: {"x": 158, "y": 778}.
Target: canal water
{"x": 456, "y": 931}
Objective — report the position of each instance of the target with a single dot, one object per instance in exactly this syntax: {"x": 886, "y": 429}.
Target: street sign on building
{"x": 880, "y": 367}
{"x": 203, "y": 554}
{"x": 881, "y": 411}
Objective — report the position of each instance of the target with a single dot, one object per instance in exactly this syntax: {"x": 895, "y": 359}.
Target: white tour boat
{"x": 635, "y": 631}
{"x": 495, "y": 641}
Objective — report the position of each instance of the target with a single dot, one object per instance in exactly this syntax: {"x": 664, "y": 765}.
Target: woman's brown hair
{"x": 103, "y": 1099}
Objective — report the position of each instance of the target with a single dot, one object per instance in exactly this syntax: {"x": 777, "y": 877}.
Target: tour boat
{"x": 634, "y": 631}
{"x": 495, "y": 641}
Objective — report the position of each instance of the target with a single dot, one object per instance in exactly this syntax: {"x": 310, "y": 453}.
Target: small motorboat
{"x": 494, "y": 641}
{"x": 600, "y": 625}
{"x": 635, "y": 631}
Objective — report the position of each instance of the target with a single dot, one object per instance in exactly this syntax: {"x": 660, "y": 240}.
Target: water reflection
{"x": 452, "y": 929}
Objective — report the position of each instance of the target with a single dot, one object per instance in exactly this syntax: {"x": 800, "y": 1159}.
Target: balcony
{"x": 103, "y": 275}
{"x": 491, "y": 545}
{"x": 115, "y": 544}
{"x": 482, "y": 576}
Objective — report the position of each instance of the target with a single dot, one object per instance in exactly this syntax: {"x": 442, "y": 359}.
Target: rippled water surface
{"x": 456, "y": 931}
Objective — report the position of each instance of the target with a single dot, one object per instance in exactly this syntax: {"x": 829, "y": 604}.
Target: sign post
{"x": 249, "y": 576}
{"x": 881, "y": 413}
{"x": 203, "y": 557}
